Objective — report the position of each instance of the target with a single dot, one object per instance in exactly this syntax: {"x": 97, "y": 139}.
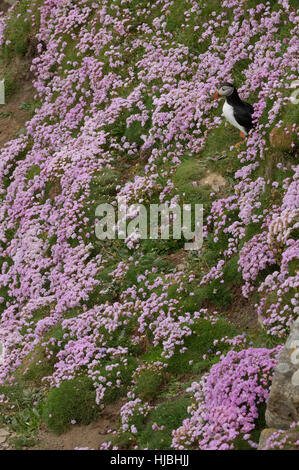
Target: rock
{"x": 3, "y": 435}
{"x": 283, "y": 402}
{"x": 260, "y": 321}
{"x": 265, "y": 434}
{"x": 181, "y": 267}
{"x": 291, "y": 437}
{"x": 282, "y": 139}
{"x": 215, "y": 180}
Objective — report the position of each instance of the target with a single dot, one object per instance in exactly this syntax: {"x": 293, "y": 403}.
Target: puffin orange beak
{"x": 216, "y": 95}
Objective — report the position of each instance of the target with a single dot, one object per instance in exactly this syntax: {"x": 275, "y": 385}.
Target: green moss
{"x": 152, "y": 355}
{"x": 32, "y": 172}
{"x": 149, "y": 383}
{"x": 216, "y": 293}
{"x": 73, "y": 400}
{"x": 231, "y": 273}
{"x": 11, "y": 84}
{"x": 190, "y": 170}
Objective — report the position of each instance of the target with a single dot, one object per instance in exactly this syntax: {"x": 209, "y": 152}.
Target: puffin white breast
{"x": 228, "y": 113}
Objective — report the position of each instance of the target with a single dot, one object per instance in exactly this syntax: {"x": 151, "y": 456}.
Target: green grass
{"x": 149, "y": 382}
{"x": 17, "y": 32}
{"x": 22, "y": 413}
{"x": 125, "y": 376}
{"x": 11, "y": 84}
{"x": 201, "y": 341}
{"x": 190, "y": 170}
{"x": 32, "y": 172}
{"x": 217, "y": 154}
{"x": 38, "y": 366}
{"x": 168, "y": 414}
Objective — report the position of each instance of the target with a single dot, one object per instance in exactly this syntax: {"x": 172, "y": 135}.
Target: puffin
{"x": 236, "y": 112}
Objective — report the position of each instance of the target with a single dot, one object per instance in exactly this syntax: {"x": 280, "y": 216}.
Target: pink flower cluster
{"x": 226, "y": 401}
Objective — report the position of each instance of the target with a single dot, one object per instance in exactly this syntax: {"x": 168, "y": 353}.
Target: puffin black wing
{"x": 243, "y": 115}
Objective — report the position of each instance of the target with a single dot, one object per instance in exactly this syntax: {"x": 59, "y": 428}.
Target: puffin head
{"x": 226, "y": 89}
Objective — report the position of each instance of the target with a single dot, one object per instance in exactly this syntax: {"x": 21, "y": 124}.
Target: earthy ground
{"x": 12, "y": 118}
{"x": 242, "y": 313}
{"x": 4, "y": 6}
{"x": 214, "y": 180}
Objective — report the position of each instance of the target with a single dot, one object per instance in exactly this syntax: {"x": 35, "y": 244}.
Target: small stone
{"x": 181, "y": 267}
{"x": 265, "y": 434}
{"x": 260, "y": 321}
{"x": 283, "y": 368}
{"x": 3, "y": 435}
{"x": 283, "y": 401}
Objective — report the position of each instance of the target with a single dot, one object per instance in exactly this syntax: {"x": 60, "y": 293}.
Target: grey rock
{"x": 283, "y": 368}
{"x": 283, "y": 402}
{"x": 291, "y": 438}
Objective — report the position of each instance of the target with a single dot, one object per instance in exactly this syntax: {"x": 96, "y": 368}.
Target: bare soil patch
{"x": 178, "y": 259}
{"x": 4, "y": 6}
{"x": 242, "y": 313}
{"x": 12, "y": 118}
{"x": 214, "y": 180}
